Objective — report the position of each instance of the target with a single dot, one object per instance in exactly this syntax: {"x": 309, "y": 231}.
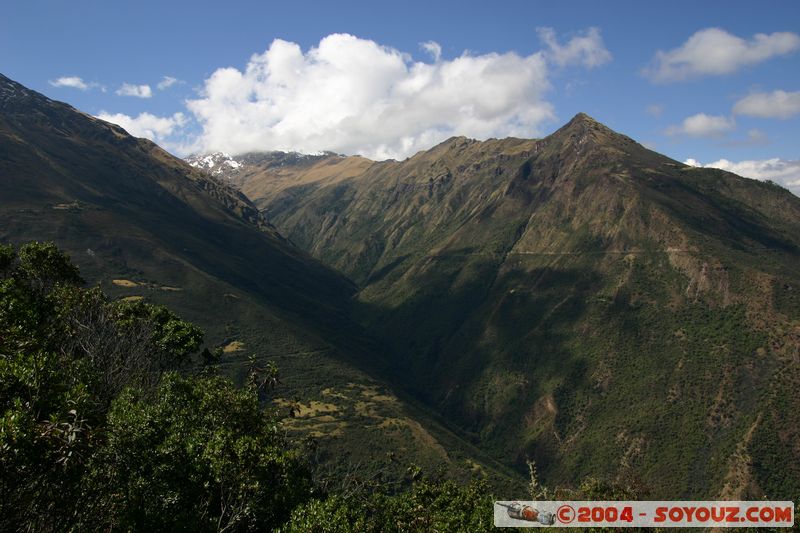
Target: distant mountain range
{"x": 577, "y": 299}
{"x": 262, "y": 175}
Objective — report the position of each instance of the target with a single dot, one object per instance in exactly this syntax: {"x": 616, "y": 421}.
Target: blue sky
{"x": 717, "y": 92}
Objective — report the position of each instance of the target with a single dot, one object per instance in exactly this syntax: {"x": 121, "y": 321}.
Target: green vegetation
{"x": 99, "y": 431}
{"x": 106, "y": 426}
{"x": 427, "y": 506}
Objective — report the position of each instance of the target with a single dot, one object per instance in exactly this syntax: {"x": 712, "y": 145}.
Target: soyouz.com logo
{"x": 643, "y": 514}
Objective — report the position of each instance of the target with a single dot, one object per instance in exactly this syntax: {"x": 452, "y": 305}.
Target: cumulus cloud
{"x": 71, "y": 81}
{"x": 702, "y": 125}
{"x": 714, "y": 51}
{"x": 783, "y": 171}
{"x": 777, "y": 104}
{"x": 585, "y": 49}
{"x": 433, "y": 48}
{"x": 139, "y": 91}
{"x": 167, "y": 82}
{"x": 353, "y": 95}
{"x": 152, "y": 127}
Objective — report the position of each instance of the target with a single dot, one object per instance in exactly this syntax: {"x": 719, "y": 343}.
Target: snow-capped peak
{"x": 217, "y": 163}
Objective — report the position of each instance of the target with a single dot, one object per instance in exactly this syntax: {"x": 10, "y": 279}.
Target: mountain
{"x": 217, "y": 164}
{"x": 144, "y": 224}
{"x": 262, "y": 175}
{"x": 577, "y": 299}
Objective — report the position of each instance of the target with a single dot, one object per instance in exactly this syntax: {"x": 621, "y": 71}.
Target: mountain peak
{"x": 582, "y": 117}
{"x": 584, "y": 132}
{"x": 583, "y": 122}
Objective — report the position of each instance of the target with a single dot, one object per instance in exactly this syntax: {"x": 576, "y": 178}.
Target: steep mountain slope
{"x": 581, "y": 300}
{"x": 144, "y": 224}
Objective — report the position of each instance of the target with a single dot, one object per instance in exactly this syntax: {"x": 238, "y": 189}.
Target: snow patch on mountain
{"x": 223, "y": 165}
{"x": 216, "y": 164}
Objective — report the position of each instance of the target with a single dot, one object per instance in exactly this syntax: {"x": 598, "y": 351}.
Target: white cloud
{"x": 71, "y": 81}
{"x": 433, "y": 48}
{"x": 777, "y": 104}
{"x": 714, "y": 51}
{"x": 783, "y": 171}
{"x": 353, "y": 95}
{"x": 587, "y": 49}
{"x": 702, "y": 125}
{"x": 152, "y": 127}
{"x": 139, "y": 91}
{"x": 167, "y": 82}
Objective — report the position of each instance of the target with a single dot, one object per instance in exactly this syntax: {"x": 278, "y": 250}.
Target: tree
{"x": 95, "y": 435}
{"x": 44, "y": 399}
{"x": 200, "y": 456}
{"x": 429, "y": 506}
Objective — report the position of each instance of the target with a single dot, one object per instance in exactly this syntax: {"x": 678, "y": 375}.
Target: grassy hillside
{"x": 580, "y": 300}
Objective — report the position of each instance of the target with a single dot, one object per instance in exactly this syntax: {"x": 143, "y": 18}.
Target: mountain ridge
{"x": 528, "y": 285}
